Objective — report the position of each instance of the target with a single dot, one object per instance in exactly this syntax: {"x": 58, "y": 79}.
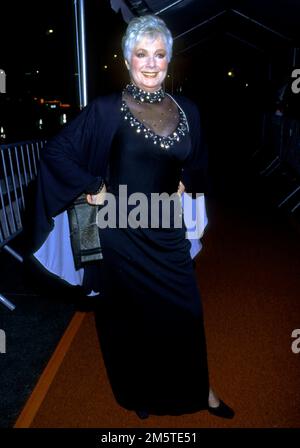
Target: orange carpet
{"x": 249, "y": 277}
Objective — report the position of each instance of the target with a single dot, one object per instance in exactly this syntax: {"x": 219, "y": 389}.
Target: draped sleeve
{"x": 72, "y": 162}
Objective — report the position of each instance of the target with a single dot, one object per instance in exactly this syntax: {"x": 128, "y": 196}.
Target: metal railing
{"x": 18, "y": 167}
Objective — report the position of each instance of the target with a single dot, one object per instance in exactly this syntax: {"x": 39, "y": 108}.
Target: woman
{"x": 150, "y": 322}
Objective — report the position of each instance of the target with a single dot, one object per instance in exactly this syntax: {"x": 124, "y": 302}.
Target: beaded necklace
{"x": 143, "y": 96}
{"x": 152, "y": 97}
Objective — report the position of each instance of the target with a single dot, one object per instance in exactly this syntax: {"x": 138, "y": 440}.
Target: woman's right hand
{"x": 97, "y": 199}
{"x": 181, "y": 188}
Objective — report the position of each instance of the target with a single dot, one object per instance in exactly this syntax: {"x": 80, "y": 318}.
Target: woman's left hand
{"x": 181, "y": 188}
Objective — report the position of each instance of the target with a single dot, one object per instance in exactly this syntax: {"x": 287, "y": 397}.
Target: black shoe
{"x": 222, "y": 410}
{"x": 142, "y": 414}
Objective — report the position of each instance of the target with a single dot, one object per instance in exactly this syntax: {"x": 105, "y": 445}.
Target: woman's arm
{"x": 64, "y": 171}
{"x": 195, "y": 170}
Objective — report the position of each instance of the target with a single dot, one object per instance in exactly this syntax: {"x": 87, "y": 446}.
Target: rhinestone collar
{"x": 158, "y": 140}
{"x": 143, "y": 96}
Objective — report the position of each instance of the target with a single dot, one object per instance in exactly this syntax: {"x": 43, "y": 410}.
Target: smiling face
{"x": 148, "y": 64}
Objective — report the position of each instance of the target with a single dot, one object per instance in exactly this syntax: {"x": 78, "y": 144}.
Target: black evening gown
{"x": 150, "y": 323}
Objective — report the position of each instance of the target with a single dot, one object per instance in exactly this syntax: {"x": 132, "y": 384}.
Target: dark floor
{"x": 44, "y": 308}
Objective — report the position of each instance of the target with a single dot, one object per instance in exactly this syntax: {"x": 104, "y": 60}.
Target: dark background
{"x": 253, "y": 40}
{"x": 42, "y": 65}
